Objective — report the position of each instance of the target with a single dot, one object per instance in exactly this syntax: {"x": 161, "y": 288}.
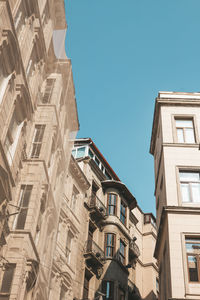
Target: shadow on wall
{"x": 115, "y": 283}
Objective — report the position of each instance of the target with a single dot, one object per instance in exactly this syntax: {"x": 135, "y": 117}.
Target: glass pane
{"x": 180, "y": 135}
{"x": 184, "y": 123}
{"x": 185, "y": 193}
{"x": 192, "y": 266}
{"x": 90, "y": 153}
{"x": 193, "y": 248}
{"x": 195, "y": 192}
{"x": 189, "y": 176}
{"x": 80, "y": 152}
{"x": 189, "y": 135}
{"x": 111, "y": 210}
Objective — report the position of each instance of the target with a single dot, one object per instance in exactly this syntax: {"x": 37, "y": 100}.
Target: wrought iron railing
{"x": 96, "y": 202}
{"x": 92, "y": 247}
{"x": 134, "y": 247}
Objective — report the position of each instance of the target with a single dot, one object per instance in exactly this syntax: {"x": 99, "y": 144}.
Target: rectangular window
{"x": 50, "y": 82}
{"x": 90, "y": 153}
{"x": 190, "y": 186}
{"x": 185, "y": 131}
{"x": 108, "y": 290}
{"x": 6, "y": 281}
{"x": 123, "y": 212}
{"x": 80, "y": 152}
{"x": 193, "y": 258}
{"x": 112, "y": 204}
{"x": 24, "y": 200}
{"x": 69, "y": 246}
{"x": 74, "y": 198}
{"x": 122, "y": 252}
{"x": 37, "y": 141}
{"x": 109, "y": 244}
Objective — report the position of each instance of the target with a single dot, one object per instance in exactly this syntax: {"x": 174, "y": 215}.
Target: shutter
{"x": 7, "y": 278}
{"x": 48, "y": 90}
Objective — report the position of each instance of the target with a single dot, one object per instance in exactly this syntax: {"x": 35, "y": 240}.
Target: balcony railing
{"x": 96, "y": 203}
{"x": 91, "y": 248}
{"x": 133, "y": 247}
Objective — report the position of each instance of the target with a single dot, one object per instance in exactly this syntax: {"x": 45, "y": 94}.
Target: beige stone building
{"x": 117, "y": 240}
{"x": 175, "y": 146}
{"x": 38, "y": 119}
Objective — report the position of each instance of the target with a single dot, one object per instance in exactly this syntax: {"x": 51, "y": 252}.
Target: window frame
{"x": 122, "y": 256}
{"x": 187, "y": 170}
{"x": 185, "y": 118}
{"x": 22, "y": 191}
{"x": 35, "y": 145}
{"x": 112, "y": 205}
{"x": 195, "y": 237}
{"x": 122, "y": 215}
{"x": 112, "y": 246}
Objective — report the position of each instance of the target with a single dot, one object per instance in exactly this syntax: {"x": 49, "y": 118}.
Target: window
{"x": 112, "y": 202}
{"x": 123, "y": 212}
{"x": 122, "y": 252}
{"x": 74, "y": 198}
{"x": 69, "y": 246}
{"x": 108, "y": 290}
{"x": 50, "y": 82}
{"x": 109, "y": 244}
{"x": 185, "y": 131}
{"x": 80, "y": 152}
{"x": 6, "y": 281}
{"x": 190, "y": 186}
{"x": 157, "y": 285}
{"x": 37, "y": 141}
{"x": 86, "y": 286}
{"x": 193, "y": 258}
{"x": 24, "y": 200}
{"x": 90, "y": 153}
{"x": 107, "y": 175}
{"x": 12, "y": 137}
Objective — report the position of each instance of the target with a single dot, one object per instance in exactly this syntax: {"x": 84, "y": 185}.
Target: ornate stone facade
{"x": 38, "y": 119}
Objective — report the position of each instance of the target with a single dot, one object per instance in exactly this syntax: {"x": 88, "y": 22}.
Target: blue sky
{"x": 123, "y": 53}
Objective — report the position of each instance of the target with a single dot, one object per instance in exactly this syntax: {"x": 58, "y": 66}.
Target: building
{"x": 38, "y": 119}
{"x": 69, "y": 228}
{"x": 117, "y": 238}
{"x": 175, "y": 147}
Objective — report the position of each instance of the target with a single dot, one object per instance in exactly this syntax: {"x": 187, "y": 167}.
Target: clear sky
{"x": 123, "y": 52}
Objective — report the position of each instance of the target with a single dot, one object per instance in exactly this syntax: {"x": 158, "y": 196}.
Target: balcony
{"x": 134, "y": 251}
{"x": 98, "y": 211}
{"x": 94, "y": 255}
